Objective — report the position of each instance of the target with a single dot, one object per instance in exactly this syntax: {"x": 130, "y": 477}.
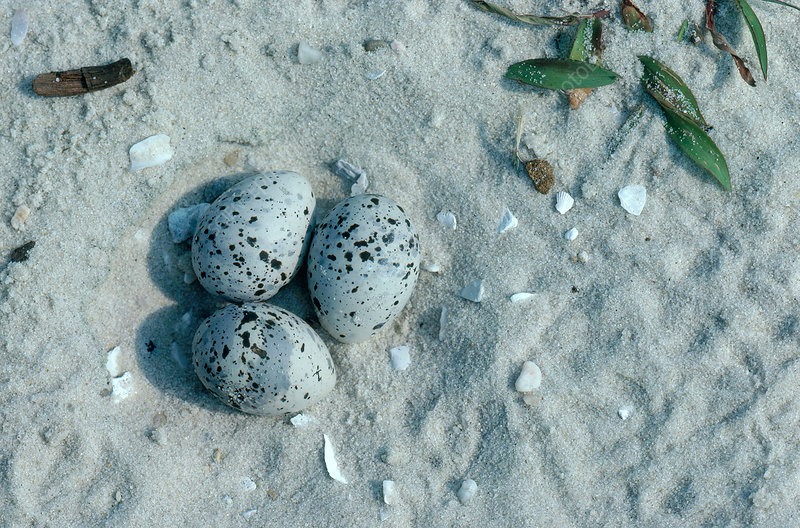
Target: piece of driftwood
{"x": 83, "y": 80}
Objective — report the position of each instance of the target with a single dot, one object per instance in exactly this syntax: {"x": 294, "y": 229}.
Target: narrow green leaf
{"x": 568, "y": 20}
{"x": 757, "y": 33}
{"x": 560, "y": 74}
{"x": 696, "y": 144}
{"x": 669, "y": 90}
{"x": 785, "y": 4}
{"x": 682, "y": 31}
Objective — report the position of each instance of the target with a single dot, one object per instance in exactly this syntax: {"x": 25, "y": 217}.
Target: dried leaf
{"x": 560, "y": 74}
{"x": 722, "y": 43}
{"x": 698, "y": 146}
{"x": 588, "y": 44}
{"x": 669, "y": 90}
{"x": 569, "y": 20}
{"x": 634, "y": 19}
{"x": 757, "y": 32}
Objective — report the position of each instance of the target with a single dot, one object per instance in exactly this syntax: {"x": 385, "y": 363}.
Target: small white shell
{"x": 572, "y": 234}
{"x": 330, "y": 461}
{"x": 20, "y": 217}
{"x": 521, "y": 297}
{"x": 508, "y": 222}
{"x": 390, "y": 495}
{"x": 401, "y": 357}
{"x": 19, "y": 26}
{"x": 307, "y": 55}
{"x": 150, "y": 152}
{"x": 632, "y": 198}
{"x": 447, "y": 219}
{"x": 564, "y": 202}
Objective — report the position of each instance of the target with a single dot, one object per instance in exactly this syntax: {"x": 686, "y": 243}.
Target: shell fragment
{"x": 530, "y": 378}
{"x": 150, "y": 152}
{"x": 473, "y": 291}
{"x": 508, "y": 222}
{"x": 330, "y": 461}
{"x": 632, "y": 198}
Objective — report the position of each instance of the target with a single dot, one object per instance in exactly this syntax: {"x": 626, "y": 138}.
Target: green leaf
{"x": 587, "y": 41}
{"x": 682, "y": 31}
{"x": 786, "y": 4}
{"x": 757, "y": 33}
{"x": 569, "y": 20}
{"x": 669, "y": 90}
{"x": 560, "y": 74}
{"x": 696, "y": 144}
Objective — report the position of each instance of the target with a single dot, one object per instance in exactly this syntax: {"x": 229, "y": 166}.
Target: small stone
{"x": 473, "y": 291}
{"x": 397, "y": 46}
{"x": 374, "y": 45}
{"x": 432, "y": 267}
{"x": 217, "y": 455}
{"x": 306, "y": 54}
{"x": 583, "y": 257}
{"x": 246, "y": 484}
{"x": 232, "y": 158}
{"x": 467, "y": 491}
{"x": 22, "y": 253}
{"x": 530, "y": 378}
{"x": 521, "y": 297}
{"x": 541, "y": 172}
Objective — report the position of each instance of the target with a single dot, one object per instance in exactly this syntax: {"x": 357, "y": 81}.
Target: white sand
{"x": 687, "y": 313}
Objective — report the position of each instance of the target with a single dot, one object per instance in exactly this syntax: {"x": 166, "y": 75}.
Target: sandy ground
{"x": 686, "y": 315}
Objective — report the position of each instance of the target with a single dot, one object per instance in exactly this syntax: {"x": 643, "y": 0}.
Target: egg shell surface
{"x": 261, "y": 359}
{"x": 252, "y": 240}
{"x": 363, "y": 264}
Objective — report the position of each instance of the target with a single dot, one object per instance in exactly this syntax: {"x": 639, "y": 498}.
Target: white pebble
{"x": 530, "y": 378}
{"x": 112, "y": 362}
{"x": 447, "y": 219}
{"x": 632, "y": 198}
{"x": 307, "y": 55}
{"x": 467, "y": 491}
{"x": 150, "y": 152}
{"x": 572, "y": 234}
{"x": 183, "y": 221}
{"x": 442, "y": 322}
{"x": 625, "y": 411}
{"x": 390, "y": 495}
{"x": 473, "y": 291}
{"x": 121, "y": 387}
{"x": 401, "y": 357}
{"x": 19, "y": 26}
{"x": 330, "y": 461}
{"x": 20, "y": 217}
{"x": 399, "y": 47}
{"x": 507, "y": 222}
{"x": 522, "y": 297}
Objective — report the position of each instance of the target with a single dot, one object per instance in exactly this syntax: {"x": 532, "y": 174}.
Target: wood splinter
{"x": 83, "y": 80}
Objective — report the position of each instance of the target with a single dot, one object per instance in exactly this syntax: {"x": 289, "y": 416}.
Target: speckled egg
{"x": 362, "y": 266}
{"x": 252, "y": 240}
{"x": 261, "y": 359}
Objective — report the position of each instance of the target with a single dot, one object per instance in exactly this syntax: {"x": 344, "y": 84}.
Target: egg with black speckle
{"x": 363, "y": 264}
{"x": 261, "y": 359}
{"x": 252, "y": 240}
